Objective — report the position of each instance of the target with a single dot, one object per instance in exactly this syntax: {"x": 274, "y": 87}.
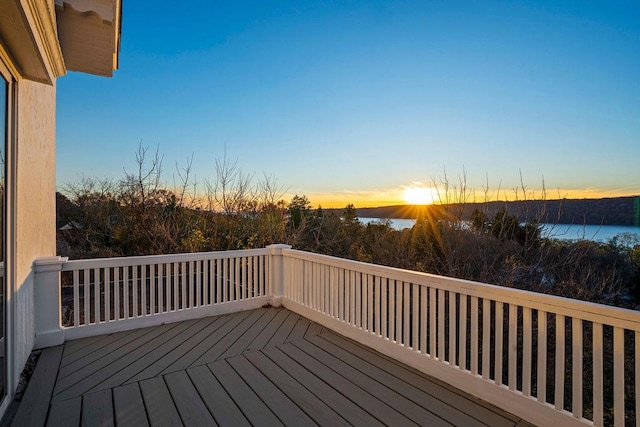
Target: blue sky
{"x": 354, "y": 101}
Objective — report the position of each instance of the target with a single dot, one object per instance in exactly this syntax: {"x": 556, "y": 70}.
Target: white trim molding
{"x": 89, "y": 32}
{"x": 28, "y": 31}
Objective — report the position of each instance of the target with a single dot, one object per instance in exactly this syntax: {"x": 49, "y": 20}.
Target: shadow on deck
{"x": 259, "y": 367}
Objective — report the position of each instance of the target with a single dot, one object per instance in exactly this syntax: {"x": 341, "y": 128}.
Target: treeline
{"x": 138, "y": 215}
{"x": 607, "y": 211}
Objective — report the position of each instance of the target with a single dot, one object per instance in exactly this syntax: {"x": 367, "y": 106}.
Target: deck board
{"x": 64, "y": 413}
{"x": 322, "y": 391}
{"x": 189, "y": 346}
{"x": 222, "y": 346}
{"x": 260, "y": 367}
{"x": 190, "y": 357}
{"x": 89, "y": 354}
{"x": 285, "y": 329}
{"x": 129, "y": 407}
{"x": 192, "y": 409}
{"x": 320, "y": 412}
{"x": 97, "y": 409}
{"x": 288, "y": 412}
{"x": 35, "y": 403}
{"x": 166, "y": 342}
{"x": 92, "y": 375}
{"x": 358, "y": 395}
{"x": 250, "y": 404}
{"x": 368, "y": 366}
{"x": 488, "y": 414}
{"x": 379, "y": 388}
{"x": 218, "y": 401}
{"x": 160, "y": 407}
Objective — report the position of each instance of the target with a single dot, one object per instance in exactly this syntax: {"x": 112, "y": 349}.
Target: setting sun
{"x": 418, "y": 195}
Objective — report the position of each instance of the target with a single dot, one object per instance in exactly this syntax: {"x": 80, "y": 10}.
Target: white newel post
{"x": 277, "y": 273}
{"x": 48, "y": 301}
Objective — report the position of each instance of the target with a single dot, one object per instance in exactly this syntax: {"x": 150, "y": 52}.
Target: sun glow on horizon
{"x": 417, "y": 194}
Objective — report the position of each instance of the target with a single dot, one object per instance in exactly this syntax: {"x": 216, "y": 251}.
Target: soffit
{"x": 89, "y": 34}
{"x": 28, "y": 36}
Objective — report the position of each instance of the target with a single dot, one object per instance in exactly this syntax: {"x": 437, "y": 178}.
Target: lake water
{"x": 596, "y": 233}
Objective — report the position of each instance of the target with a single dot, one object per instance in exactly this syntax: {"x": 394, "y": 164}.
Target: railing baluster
{"x": 441, "y": 322}
{"x": 526, "y": 351}
{"x": 328, "y": 283}
{"x": 463, "y": 332}
{"x": 453, "y": 317}
{"x": 211, "y": 280}
{"x": 499, "y": 339}
{"x": 433, "y": 323}
{"x": 107, "y": 294}
{"x": 513, "y": 346}
{"x": 267, "y": 272}
{"x": 423, "y": 319}
{"x": 392, "y": 310}
{"x": 541, "y": 383}
{"x": 317, "y": 287}
{"x": 399, "y": 307}
{"x": 361, "y": 299}
{"x": 415, "y": 289}
{"x": 559, "y": 378}
{"x": 237, "y": 279}
{"x": 125, "y": 292}
{"x": 486, "y": 337}
{"x": 245, "y": 277}
{"x": 251, "y": 277}
{"x": 378, "y": 312}
{"x": 337, "y": 292}
{"x": 219, "y": 275}
{"x": 347, "y": 296}
{"x": 134, "y": 284}
{"x": 76, "y": 298}
{"x": 474, "y": 335}
{"x": 96, "y": 295}
{"x": 116, "y": 293}
{"x": 384, "y": 307}
{"x": 319, "y": 290}
{"x": 323, "y": 302}
{"x": 370, "y": 296}
{"x": 143, "y": 289}
{"x": 352, "y": 300}
{"x": 358, "y": 299}
{"x": 341, "y": 292}
{"x": 406, "y": 315}
{"x": 576, "y": 375}
{"x": 176, "y": 286}
{"x": 333, "y": 292}
{"x": 153, "y": 306}
{"x": 86, "y": 283}
{"x": 225, "y": 280}
{"x": 198, "y": 296}
{"x": 618, "y": 376}
{"x": 160, "y": 292}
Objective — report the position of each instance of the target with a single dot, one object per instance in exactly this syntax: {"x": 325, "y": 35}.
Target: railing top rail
{"x": 600, "y": 313}
{"x": 157, "y": 259}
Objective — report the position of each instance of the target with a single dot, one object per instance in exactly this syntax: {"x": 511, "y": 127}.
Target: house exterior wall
{"x": 32, "y": 60}
{"x": 34, "y": 214}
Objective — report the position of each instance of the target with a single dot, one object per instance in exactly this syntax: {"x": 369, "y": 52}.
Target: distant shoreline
{"x": 606, "y": 211}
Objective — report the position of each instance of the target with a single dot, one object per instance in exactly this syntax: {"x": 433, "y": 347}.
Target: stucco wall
{"x": 35, "y": 203}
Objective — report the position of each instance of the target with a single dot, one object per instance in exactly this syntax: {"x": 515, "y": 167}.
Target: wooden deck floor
{"x": 259, "y": 367}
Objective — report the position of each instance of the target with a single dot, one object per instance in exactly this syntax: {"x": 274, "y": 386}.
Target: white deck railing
{"x": 522, "y": 351}
{"x": 113, "y": 294}
{"x": 543, "y": 358}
